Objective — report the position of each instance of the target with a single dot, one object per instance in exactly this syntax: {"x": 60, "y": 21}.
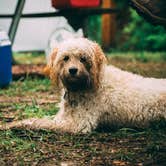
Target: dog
{"x": 95, "y": 94}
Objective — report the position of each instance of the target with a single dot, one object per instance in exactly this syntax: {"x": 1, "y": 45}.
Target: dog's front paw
{"x": 17, "y": 124}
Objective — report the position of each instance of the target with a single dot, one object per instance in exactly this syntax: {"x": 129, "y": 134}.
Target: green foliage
{"x": 137, "y": 34}
{"x": 121, "y": 4}
{"x": 93, "y": 28}
{"x": 141, "y": 35}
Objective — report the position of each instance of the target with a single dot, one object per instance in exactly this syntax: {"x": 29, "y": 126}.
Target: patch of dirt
{"x": 22, "y": 71}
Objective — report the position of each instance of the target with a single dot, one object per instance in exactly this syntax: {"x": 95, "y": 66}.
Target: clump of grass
{"x": 28, "y": 86}
{"x": 26, "y": 99}
{"x": 35, "y": 110}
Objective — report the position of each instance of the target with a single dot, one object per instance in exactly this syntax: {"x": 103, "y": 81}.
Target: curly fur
{"x": 105, "y": 95}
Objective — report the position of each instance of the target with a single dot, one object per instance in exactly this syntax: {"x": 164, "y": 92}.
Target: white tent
{"x": 32, "y": 33}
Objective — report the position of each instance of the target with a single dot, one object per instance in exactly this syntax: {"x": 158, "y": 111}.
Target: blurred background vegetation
{"x": 133, "y": 33}
{"x": 141, "y": 35}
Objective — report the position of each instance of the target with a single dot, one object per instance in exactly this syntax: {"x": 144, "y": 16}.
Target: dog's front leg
{"x": 75, "y": 123}
{"x": 64, "y": 125}
{"x": 60, "y": 123}
{"x": 32, "y": 123}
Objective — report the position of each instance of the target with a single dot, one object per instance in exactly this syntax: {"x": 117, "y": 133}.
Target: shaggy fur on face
{"x": 95, "y": 94}
{"x": 76, "y": 66}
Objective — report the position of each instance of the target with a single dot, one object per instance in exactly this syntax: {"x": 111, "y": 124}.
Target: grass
{"x": 120, "y": 147}
{"x": 29, "y": 86}
{"x": 40, "y": 58}
{"x": 139, "y": 56}
{"x": 28, "y": 98}
{"x": 30, "y": 57}
{"x": 143, "y": 63}
{"x": 34, "y": 97}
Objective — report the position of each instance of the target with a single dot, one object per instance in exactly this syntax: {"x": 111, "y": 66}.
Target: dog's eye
{"x": 66, "y": 58}
{"x": 82, "y": 59}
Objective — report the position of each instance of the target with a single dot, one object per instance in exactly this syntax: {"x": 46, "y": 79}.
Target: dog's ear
{"x": 52, "y": 58}
{"x": 50, "y": 61}
{"x": 50, "y": 70}
{"x": 99, "y": 61}
{"x": 100, "y": 57}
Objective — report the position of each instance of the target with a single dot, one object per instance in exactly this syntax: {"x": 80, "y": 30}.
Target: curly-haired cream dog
{"x": 95, "y": 94}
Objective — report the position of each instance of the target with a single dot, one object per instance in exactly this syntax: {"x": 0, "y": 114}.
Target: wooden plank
{"x": 108, "y": 25}
{"x": 64, "y": 12}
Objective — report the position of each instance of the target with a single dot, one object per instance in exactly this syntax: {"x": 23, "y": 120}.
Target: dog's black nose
{"x": 73, "y": 71}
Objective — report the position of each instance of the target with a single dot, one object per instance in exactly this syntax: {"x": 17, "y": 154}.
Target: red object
{"x": 75, "y": 3}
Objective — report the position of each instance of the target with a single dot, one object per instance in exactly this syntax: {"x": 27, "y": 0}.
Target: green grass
{"x": 139, "y": 56}
{"x": 35, "y": 110}
{"x": 29, "y": 86}
{"x": 40, "y": 58}
{"x": 26, "y": 97}
{"x": 30, "y": 58}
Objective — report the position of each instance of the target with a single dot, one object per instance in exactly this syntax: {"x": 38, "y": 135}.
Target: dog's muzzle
{"x": 76, "y": 82}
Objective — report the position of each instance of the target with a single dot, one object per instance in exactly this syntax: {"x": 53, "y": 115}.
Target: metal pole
{"x": 16, "y": 19}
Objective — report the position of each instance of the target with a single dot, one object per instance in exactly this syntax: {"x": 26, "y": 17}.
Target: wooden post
{"x": 108, "y": 25}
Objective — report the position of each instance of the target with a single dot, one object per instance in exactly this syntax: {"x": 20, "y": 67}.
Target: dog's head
{"x": 76, "y": 64}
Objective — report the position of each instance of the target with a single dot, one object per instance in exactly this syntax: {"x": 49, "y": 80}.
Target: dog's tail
{"x": 33, "y": 123}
